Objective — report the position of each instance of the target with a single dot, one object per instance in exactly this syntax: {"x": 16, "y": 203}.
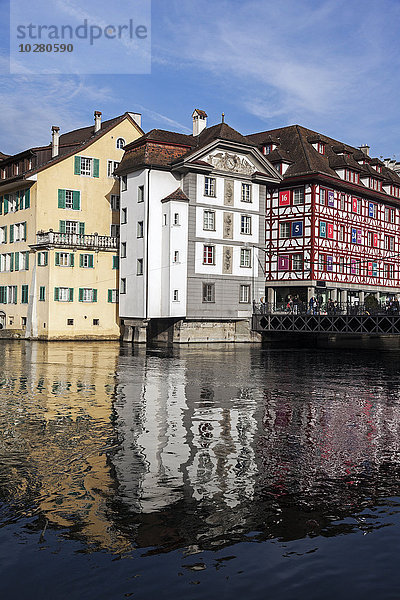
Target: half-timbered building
{"x": 332, "y": 223}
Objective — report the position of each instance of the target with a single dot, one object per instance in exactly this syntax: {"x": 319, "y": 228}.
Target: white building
{"x": 192, "y": 224}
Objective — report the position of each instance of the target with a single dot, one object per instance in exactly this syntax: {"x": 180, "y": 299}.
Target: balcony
{"x": 55, "y": 239}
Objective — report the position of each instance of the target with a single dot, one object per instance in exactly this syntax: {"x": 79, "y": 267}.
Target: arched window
{"x": 120, "y": 143}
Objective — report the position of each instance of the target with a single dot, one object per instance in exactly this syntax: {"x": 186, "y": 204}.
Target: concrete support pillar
{"x": 140, "y": 334}
{"x": 344, "y": 298}
{"x": 333, "y": 294}
{"x": 128, "y": 333}
{"x": 362, "y": 297}
{"x": 271, "y": 296}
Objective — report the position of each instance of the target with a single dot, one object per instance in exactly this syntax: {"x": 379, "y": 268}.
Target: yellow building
{"x": 59, "y": 233}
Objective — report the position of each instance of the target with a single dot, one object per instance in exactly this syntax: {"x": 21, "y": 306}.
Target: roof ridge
{"x": 303, "y": 147}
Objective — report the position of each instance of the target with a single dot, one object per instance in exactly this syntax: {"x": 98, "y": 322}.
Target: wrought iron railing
{"x": 304, "y": 308}
{"x": 55, "y": 238}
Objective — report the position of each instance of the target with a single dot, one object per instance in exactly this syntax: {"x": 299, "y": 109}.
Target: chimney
{"x": 365, "y": 149}
{"x": 199, "y": 121}
{"x": 97, "y": 121}
{"x": 55, "y": 140}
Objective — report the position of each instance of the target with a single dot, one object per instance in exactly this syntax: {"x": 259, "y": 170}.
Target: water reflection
{"x": 196, "y": 448}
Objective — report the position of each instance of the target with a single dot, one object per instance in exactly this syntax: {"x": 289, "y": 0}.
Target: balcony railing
{"x": 76, "y": 240}
{"x": 303, "y": 308}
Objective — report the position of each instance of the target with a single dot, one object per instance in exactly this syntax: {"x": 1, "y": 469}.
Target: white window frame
{"x": 86, "y": 166}
{"x": 246, "y": 195}
{"x": 175, "y": 296}
{"x": 208, "y": 291}
{"x": 123, "y": 250}
{"x": 285, "y": 229}
{"x": 209, "y": 220}
{"x": 244, "y": 294}
{"x": 140, "y": 229}
{"x": 87, "y": 294}
{"x": 120, "y": 143}
{"x": 245, "y": 257}
{"x": 63, "y": 294}
{"x": 208, "y": 260}
{"x": 298, "y": 196}
{"x": 111, "y": 166}
{"x": 245, "y": 224}
{"x": 297, "y": 262}
{"x": 210, "y": 184}
{"x": 71, "y": 226}
{"x": 176, "y": 257}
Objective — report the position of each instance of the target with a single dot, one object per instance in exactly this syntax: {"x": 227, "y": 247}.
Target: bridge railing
{"x": 303, "y": 308}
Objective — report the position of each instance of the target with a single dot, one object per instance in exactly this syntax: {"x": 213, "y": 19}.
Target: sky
{"x": 330, "y": 65}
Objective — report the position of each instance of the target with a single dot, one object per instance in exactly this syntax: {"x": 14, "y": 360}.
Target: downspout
{"x": 147, "y": 244}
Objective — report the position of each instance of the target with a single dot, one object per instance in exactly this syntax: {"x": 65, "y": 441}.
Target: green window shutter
{"x": 27, "y": 261}
{"x": 15, "y": 293}
{"x": 62, "y": 226}
{"x": 61, "y": 198}
{"x": 94, "y": 295}
{"x": 71, "y": 260}
{"x": 5, "y": 235}
{"x": 46, "y": 258}
{"x": 42, "y": 293}
{"x": 11, "y": 233}
{"x": 91, "y": 261}
{"x": 5, "y": 204}
{"x": 80, "y": 294}
{"x": 17, "y": 200}
{"x": 71, "y": 294}
{"x": 82, "y": 228}
{"x": 25, "y": 231}
{"x": 81, "y": 260}
{"x": 76, "y": 200}
{"x": 109, "y": 295}
{"x": 12, "y": 261}
{"x": 95, "y": 167}
{"x": 115, "y": 262}
{"x": 57, "y": 259}
{"x": 27, "y": 198}
{"x": 77, "y": 165}
{"x": 16, "y": 262}
{"x": 1, "y": 205}
{"x": 56, "y": 293}
{"x": 24, "y": 294}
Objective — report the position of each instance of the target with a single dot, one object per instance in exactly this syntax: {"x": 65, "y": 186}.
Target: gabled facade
{"x": 332, "y": 226}
{"x": 192, "y": 222}
{"x": 59, "y": 226}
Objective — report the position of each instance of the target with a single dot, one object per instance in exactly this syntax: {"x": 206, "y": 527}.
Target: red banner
{"x": 284, "y": 198}
{"x": 330, "y": 230}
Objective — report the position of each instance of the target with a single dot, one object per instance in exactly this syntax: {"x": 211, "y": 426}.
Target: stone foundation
{"x": 186, "y": 331}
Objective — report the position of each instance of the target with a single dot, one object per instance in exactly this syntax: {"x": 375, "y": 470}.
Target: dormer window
{"x": 378, "y": 168}
{"x": 375, "y": 184}
{"x": 351, "y": 176}
{"x": 395, "y": 191}
{"x": 267, "y": 148}
{"x": 120, "y": 143}
{"x": 320, "y": 147}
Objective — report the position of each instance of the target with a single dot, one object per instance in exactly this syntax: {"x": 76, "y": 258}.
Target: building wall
{"x": 48, "y": 318}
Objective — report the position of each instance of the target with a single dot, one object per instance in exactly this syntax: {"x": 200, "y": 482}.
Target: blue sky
{"x": 332, "y": 66}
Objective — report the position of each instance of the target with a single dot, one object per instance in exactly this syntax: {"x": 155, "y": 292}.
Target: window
{"x": 114, "y": 230}
{"x": 244, "y": 294}
{"x": 70, "y": 321}
{"x": 115, "y": 262}
{"x": 176, "y": 256}
{"x": 115, "y": 202}
{"x": 87, "y": 295}
{"x": 320, "y": 147}
{"x": 88, "y": 167}
{"x": 356, "y": 205}
{"x": 12, "y": 294}
{"x": 96, "y": 321}
{"x": 321, "y": 262}
{"x": 63, "y": 294}
{"x": 372, "y": 210}
{"x": 140, "y": 197}
{"x": 111, "y": 166}
{"x": 112, "y": 296}
{"x": 24, "y": 294}
{"x": 176, "y": 219}
{"x": 209, "y": 186}
{"x": 64, "y": 259}
{"x": 124, "y": 183}
{"x": 7, "y": 262}
{"x": 322, "y": 196}
{"x": 175, "y": 296}
{"x": 245, "y": 257}
{"x": 139, "y": 266}
{"x": 18, "y": 232}
{"x": 351, "y": 176}
{"x": 298, "y": 196}
{"x": 389, "y": 215}
{"x": 122, "y": 289}
{"x": 21, "y": 261}
{"x": 123, "y": 250}
{"x": 42, "y": 293}
{"x": 389, "y": 242}
{"x": 69, "y": 199}
{"x": 120, "y": 143}
{"x": 139, "y": 232}
{"x": 3, "y": 235}
{"x": 245, "y": 224}
{"x": 297, "y": 262}
{"x": 124, "y": 216}
{"x": 42, "y": 259}
{"x": 209, "y": 220}
{"x": 342, "y": 201}
{"x": 208, "y": 292}
{"x": 388, "y": 271}
{"x": 71, "y": 227}
{"x": 86, "y": 261}
{"x": 354, "y": 266}
{"x": 285, "y": 229}
{"x": 164, "y": 219}
{"x": 246, "y": 192}
{"x": 341, "y": 233}
{"x": 341, "y": 264}
{"x": 375, "y": 184}
{"x": 209, "y": 255}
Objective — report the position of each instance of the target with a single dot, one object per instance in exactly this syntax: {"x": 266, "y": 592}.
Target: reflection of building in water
{"x": 183, "y": 435}
{"x": 55, "y": 416}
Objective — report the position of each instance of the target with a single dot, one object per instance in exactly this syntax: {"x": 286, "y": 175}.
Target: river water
{"x": 207, "y": 472}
